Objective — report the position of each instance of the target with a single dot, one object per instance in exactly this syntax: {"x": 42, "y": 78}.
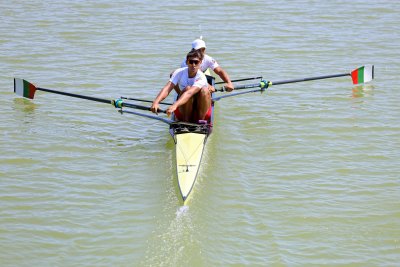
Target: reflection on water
{"x": 365, "y": 90}
{"x": 24, "y": 105}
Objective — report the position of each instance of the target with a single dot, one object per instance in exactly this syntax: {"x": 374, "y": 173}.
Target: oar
{"x": 143, "y": 100}
{"x": 241, "y": 80}
{"x": 360, "y": 75}
{"x": 27, "y": 89}
{"x": 167, "y": 121}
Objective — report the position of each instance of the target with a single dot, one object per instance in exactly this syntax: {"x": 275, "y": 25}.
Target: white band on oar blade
{"x": 19, "y": 86}
{"x": 24, "y": 88}
{"x": 363, "y": 74}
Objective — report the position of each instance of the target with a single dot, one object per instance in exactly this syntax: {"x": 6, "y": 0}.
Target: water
{"x": 304, "y": 174}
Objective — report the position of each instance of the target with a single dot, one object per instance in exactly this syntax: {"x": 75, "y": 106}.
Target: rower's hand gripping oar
{"x": 28, "y": 90}
{"x": 360, "y": 75}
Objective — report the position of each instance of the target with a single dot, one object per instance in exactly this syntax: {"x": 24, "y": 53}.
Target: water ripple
{"x": 303, "y": 174}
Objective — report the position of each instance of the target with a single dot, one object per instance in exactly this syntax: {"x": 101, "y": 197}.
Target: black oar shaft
{"x": 143, "y": 100}
{"x": 167, "y": 121}
{"x": 235, "y": 94}
{"x": 247, "y": 86}
{"x": 310, "y": 79}
{"x": 101, "y": 100}
{"x": 130, "y": 105}
{"x": 241, "y": 80}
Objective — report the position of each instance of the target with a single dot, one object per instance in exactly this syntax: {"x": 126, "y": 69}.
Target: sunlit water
{"x": 304, "y": 174}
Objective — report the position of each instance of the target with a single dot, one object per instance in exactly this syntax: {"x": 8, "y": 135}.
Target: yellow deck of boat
{"x": 189, "y": 151}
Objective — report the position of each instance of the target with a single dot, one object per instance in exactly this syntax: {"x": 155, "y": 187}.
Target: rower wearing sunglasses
{"x": 194, "y": 102}
{"x": 210, "y": 63}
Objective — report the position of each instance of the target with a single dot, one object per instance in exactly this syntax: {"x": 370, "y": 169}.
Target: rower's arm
{"x": 187, "y": 94}
{"x": 161, "y": 96}
{"x": 225, "y": 77}
{"x": 164, "y": 92}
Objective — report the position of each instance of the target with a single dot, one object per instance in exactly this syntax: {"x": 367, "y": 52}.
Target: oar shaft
{"x": 235, "y": 94}
{"x": 241, "y": 80}
{"x": 247, "y": 86}
{"x": 102, "y": 100}
{"x": 310, "y": 79}
{"x": 143, "y": 100}
{"x": 167, "y": 121}
{"x": 97, "y": 99}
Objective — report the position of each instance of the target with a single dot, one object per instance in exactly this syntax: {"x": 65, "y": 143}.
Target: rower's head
{"x": 194, "y": 57}
{"x": 199, "y": 44}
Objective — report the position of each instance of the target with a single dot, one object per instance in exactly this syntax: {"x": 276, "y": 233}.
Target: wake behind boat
{"x": 189, "y": 138}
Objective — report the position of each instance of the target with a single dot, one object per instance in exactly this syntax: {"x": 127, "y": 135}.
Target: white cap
{"x": 198, "y": 43}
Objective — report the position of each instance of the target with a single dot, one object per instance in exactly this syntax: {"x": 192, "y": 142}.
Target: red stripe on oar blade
{"x": 32, "y": 90}
{"x": 354, "y": 76}
{"x": 29, "y": 90}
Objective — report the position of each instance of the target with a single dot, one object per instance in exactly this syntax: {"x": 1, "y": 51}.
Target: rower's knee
{"x": 205, "y": 91}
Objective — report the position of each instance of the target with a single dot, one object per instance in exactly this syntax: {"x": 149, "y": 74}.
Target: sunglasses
{"x": 193, "y": 61}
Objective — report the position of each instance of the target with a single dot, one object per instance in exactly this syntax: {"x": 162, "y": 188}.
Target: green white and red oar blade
{"x": 363, "y": 74}
{"x": 360, "y": 75}
{"x": 24, "y": 88}
{"x": 27, "y": 89}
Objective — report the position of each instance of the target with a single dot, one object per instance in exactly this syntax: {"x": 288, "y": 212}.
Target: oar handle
{"x": 119, "y": 103}
{"x": 130, "y": 105}
{"x": 245, "y": 86}
{"x": 262, "y": 84}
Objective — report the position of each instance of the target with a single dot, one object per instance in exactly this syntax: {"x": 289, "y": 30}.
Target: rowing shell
{"x": 190, "y": 140}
